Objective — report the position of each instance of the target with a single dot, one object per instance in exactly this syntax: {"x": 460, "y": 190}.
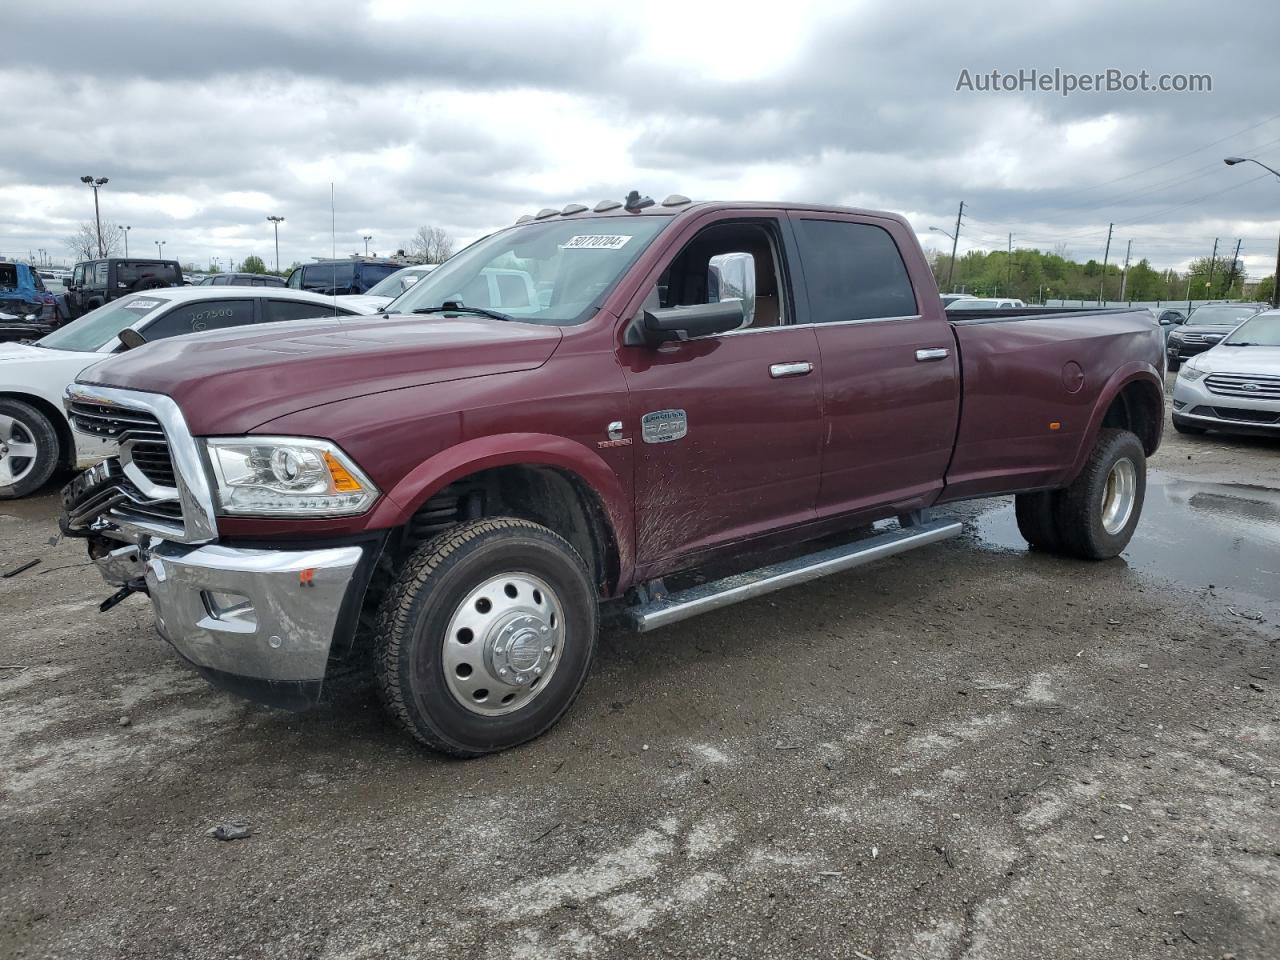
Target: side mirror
{"x": 732, "y": 277}
{"x": 685, "y": 323}
{"x": 131, "y": 338}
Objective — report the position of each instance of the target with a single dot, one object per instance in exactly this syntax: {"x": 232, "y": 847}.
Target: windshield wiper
{"x": 449, "y": 306}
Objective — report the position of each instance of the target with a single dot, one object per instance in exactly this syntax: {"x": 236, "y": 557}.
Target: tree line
{"x": 1032, "y": 275}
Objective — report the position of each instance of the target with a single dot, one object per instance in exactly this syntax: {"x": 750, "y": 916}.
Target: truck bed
{"x": 1032, "y": 379}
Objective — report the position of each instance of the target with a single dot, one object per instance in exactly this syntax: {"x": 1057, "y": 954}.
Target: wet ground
{"x": 970, "y": 751}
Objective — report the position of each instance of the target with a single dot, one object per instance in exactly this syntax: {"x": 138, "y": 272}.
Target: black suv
{"x": 241, "y": 280}
{"x": 95, "y": 282}
{"x": 342, "y": 277}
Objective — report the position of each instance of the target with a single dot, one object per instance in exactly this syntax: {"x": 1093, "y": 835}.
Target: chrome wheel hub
{"x": 1119, "y": 496}
{"x": 17, "y": 450}
{"x": 503, "y": 643}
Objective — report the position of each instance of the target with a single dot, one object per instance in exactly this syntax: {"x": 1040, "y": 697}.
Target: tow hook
{"x": 137, "y": 585}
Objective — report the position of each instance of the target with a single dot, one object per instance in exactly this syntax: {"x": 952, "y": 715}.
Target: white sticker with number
{"x": 596, "y": 241}
{"x": 142, "y": 304}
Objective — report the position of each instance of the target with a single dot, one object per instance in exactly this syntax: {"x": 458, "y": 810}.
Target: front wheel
{"x": 486, "y": 637}
{"x": 28, "y": 449}
{"x": 1097, "y": 514}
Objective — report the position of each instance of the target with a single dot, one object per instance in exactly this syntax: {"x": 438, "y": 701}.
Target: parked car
{"x": 1233, "y": 387}
{"x": 342, "y": 277}
{"x": 949, "y": 298}
{"x": 23, "y": 292}
{"x": 985, "y": 303}
{"x": 1204, "y": 327}
{"x": 35, "y": 437}
{"x": 241, "y": 280}
{"x": 387, "y": 290}
{"x": 453, "y": 494}
{"x": 95, "y": 282}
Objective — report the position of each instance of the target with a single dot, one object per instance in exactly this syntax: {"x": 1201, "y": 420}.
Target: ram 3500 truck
{"x": 455, "y": 490}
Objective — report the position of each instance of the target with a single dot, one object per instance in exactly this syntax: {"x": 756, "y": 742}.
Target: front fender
{"x": 515, "y": 449}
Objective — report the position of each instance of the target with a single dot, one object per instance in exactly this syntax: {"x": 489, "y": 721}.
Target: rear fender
{"x": 516, "y": 449}
{"x": 1133, "y": 372}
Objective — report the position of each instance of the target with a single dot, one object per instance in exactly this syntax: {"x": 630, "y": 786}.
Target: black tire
{"x": 414, "y": 617}
{"x": 1187, "y": 429}
{"x": 1174, "y": 365}
{"x": 23, "y": 423}
{"x": 1078, "y": 510}
{"x": 1036, "y": 523}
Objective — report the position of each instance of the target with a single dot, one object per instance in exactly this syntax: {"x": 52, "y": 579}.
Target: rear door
{"x": 890, "y": 378}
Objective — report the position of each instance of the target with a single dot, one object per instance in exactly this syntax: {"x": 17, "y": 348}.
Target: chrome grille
{"x": 148, "y": 450}
{"x": 1253, "y": 386}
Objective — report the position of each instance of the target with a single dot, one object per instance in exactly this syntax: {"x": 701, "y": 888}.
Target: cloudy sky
{"x": 207, "y": 118}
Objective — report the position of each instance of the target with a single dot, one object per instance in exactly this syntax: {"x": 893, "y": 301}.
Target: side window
{"x": 685, "y": 281}
{"x": 8, "y": 276}
{"x": 295, "y": 279}
{"x": 77, "y": 278}
{"x": 853, "y": 271}
{"x": 199, "y": 316}
{"x": 220, "y": 281}
{"x": 277, "y": 310}
{"x": 100, "y": 273}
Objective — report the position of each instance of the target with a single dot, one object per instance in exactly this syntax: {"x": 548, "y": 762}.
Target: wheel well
{"x": 1138, "y": 408}
{"x": 66, "y": 442}
{"x": 556, "y": 499}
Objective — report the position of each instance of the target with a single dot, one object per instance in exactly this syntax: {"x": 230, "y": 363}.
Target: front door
{"x": 726, "y": 428}
{"x": 890, "y": 373}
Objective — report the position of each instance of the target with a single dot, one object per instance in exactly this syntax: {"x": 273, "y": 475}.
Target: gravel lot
{"x": 968, "y": 751}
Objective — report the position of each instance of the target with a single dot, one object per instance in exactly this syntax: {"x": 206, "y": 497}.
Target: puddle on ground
{"x": 1196, "y": 533}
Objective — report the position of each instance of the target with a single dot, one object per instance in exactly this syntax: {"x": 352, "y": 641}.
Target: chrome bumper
{"x": 265, "y": 615}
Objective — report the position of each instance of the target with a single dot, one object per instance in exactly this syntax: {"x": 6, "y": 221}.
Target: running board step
{"x": 755, "y": 583}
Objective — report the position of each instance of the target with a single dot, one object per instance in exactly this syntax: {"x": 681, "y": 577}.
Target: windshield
{"x": 1263, "y": 331}
{"x": 97, "y": 327}
{"x": 398, "y": 282}
{"x": 1220, "y": 316}
{"x": 555, "y": 272}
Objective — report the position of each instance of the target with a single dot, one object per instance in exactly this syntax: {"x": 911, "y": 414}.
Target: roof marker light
{"x": 572, "y": 208}
{"x": 545, "y": 212}
{"x": 525, "y": 219}
{"x": 676, "y": 200}
{"x": 604, "y": 205}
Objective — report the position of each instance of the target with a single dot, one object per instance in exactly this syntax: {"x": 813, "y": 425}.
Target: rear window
{"x": 129, "y": 273}
{"x": 853, "y": 271}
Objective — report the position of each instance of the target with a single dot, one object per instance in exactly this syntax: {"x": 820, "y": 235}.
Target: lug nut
{"x": 546, "y": 649}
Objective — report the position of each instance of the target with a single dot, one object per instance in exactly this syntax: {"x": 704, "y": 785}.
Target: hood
{"x": 230, "y": 381}
{"x": 366, "y": 300}
{"x": 29, "y": 354}
{"x": 1260, "y": 360}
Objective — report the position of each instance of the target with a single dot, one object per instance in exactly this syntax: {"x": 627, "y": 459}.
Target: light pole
{"x": 1275, "y": 283}
{"x": 366, "y": 244}
{"x": 275, "y": 222}
{"x": 97, "y": 218}
{"x": 125, "y": 232}
{"x": 160, "y": 248}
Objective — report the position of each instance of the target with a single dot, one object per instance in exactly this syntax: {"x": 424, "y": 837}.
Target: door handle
{"x": 797, "y": 369}
{"x": 934, "y": 353}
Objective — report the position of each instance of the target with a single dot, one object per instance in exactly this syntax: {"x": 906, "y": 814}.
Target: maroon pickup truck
{"x": 651, "y": 409}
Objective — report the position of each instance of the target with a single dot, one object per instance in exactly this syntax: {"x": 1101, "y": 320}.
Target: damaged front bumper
{"x": 259, "y": 622}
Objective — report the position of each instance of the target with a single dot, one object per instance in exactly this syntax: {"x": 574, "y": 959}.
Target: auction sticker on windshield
{"x": 142, "y": 304}
{"x": 596, "y": 241}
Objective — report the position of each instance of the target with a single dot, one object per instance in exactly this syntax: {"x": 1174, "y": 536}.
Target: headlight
{"x": 1187, "y": 372}
{"x": 287, "y": 477}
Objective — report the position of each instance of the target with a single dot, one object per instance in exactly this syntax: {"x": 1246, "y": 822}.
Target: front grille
{"x": 1255, "y": 386}
{"x": 1247, "y": 416}
{"x": 149, "y": 449}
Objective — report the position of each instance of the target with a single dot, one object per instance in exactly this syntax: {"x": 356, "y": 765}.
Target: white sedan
{"x": 388, "y": 288}
{"x": 35, "y": 438}
{"x": 1233, "y": 387}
